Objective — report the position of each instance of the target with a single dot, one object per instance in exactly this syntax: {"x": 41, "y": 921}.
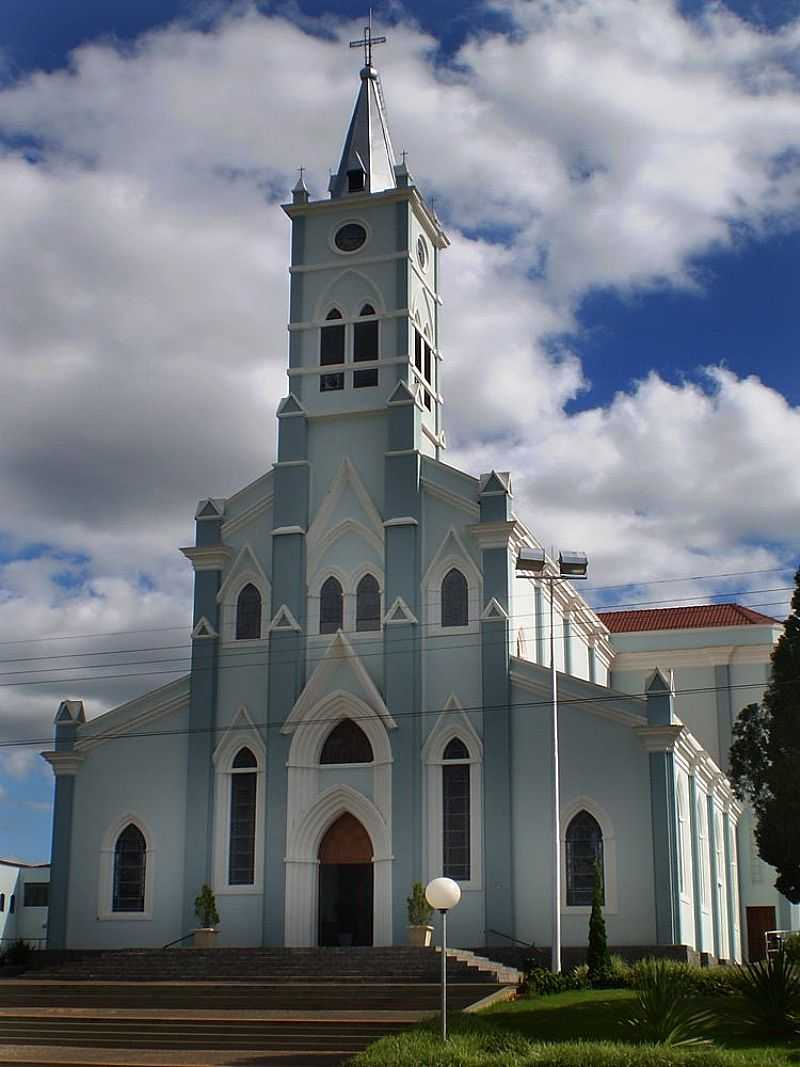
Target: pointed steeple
{"x": 368, "y": 162}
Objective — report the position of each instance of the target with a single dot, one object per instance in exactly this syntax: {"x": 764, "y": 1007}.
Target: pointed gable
{"x": 347, "y": 508}
{"x": 339, "y": 671}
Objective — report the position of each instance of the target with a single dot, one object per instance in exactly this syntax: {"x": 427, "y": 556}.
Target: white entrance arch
{"x": 302, "y": 864}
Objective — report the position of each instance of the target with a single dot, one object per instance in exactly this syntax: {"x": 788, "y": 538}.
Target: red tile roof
{"x": 704, "y": 615}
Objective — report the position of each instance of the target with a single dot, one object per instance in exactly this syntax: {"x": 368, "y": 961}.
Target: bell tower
{"x": 364, "y": 304}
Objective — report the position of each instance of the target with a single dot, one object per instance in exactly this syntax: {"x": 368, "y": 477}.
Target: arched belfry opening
{"x": 346, "y": 884}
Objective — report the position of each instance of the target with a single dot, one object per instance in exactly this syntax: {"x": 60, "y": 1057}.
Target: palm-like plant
{"x": 768, "y": 996}
{"x": 665, "y": 1014}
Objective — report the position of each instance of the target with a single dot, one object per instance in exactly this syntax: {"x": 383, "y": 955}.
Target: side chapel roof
{"x": 686, "y": 618}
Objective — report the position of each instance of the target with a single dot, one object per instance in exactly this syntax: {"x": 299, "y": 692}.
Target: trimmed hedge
{"x": 700, "y": 981}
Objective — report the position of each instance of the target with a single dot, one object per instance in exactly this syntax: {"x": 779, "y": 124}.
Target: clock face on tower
{"x": 350, "y": 237}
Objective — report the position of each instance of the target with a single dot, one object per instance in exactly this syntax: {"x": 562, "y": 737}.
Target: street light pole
{"x": 572, "y": 565}
{"x": 443, "y": 894}
{"x": 555, "y": 958}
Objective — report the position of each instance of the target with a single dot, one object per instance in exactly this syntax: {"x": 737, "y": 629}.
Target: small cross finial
{"x": 404, "y": 154}
{"x": 367, "y": 41}
{"x": 300, "y": 171}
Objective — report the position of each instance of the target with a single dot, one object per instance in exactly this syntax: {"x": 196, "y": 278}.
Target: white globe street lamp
{"x": 443, "y": 894}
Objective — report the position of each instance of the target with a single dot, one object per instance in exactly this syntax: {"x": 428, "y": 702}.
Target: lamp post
{"x": 571, "y": 565}
{"x": 443, "y": 894}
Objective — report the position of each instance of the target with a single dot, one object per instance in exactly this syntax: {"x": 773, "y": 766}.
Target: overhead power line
{"x": 590, "y": 589}
{"x": 485, "y": 709}
{"x": 423, "y": 626}
{"x": 245, "y": 657}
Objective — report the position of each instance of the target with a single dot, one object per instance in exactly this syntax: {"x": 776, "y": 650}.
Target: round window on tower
{"x": 422, "y": 253}
{"x": 350, "y": 237}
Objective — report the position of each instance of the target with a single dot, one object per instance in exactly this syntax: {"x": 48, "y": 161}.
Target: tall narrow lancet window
{"x": 130, "y": 866}
{"x": 242, "y": 832}
{"x": 248, "y": 614}
{"x": 346, "y": 743}
{"x": 368, "y": 604}
{"x": 455, "y": 811}
{"x": 331, "y": 606}
{"x": 365, "y": 348}
{"x": 454, "y": 599}
{"x": 331, "y": 351}
{"x": 584, "y": 841}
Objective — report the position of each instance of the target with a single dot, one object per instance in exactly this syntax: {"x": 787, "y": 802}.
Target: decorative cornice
{"x": 494, "y": 534}
{"x": 209, "y": 557}
{"x": 281, "y": 531}
{"x": 708, "y": 656}
{"x": 64, "y": 763}
{"x": 659, "y": 738}
{"x": 250, "y": 515}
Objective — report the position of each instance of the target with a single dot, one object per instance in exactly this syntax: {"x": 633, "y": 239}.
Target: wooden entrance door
{"x": 345, "y": 884}
{"x": 759, "y": 920}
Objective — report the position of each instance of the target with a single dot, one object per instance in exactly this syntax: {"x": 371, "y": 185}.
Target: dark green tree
{"x": 765, "y": 759}
{"x": 598, "y": 957}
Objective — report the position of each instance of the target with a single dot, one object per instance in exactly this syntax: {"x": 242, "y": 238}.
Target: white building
{"x": 24, "y": 889}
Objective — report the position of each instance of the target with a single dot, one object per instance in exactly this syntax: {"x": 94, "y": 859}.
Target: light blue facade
{"x": 360, "y": 488}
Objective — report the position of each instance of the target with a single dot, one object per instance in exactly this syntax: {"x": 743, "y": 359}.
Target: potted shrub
{"x": 419, "y": 913}
{"x": 205, "y": 908}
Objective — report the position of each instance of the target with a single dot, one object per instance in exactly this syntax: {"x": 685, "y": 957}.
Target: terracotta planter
{"x": 204, "y": 937}
{"x": 420, "y": 935}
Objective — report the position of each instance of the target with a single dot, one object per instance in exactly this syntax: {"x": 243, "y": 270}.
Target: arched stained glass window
{"x": 331, "y": 606}
{"x": 368, "y": 604}
{"x": 456, "y": 860}
{"x": 130, "y": 863}
{"x": 454, "y": 599}
{"x": 456, "y": 749}
{"x": 242, "y": 830}
{"x": 346, "y": 743}
{"x": 248, "y": 614}
{"x": 584, "y": 841}
{"x": 367, "y": 309}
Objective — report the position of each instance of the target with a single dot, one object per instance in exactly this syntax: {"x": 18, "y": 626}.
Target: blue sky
{"x": 620, "y": 182}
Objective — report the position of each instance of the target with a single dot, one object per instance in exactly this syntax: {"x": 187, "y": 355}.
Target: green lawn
{"x": 599, "y": 1015}
{"x": 553, "y": 1031}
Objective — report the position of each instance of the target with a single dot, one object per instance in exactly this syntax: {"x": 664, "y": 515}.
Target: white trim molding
{"x": 105, "y": 874}
{"x": 453, "y": 722}
{"x": 242, "y": 733}
{"x": 568, "y": 813}
{"x": 245, "y": 570}
{"x": 304, "y": 835}
{"x": 451, "y": 554}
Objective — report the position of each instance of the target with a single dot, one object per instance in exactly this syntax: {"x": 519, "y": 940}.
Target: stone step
{"x": 16, "y": 994}
{"x": 502, "y": 973}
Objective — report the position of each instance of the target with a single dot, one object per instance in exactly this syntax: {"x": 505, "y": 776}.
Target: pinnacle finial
{"x": 300, "y": 191}
{"x": 366, "y": 42}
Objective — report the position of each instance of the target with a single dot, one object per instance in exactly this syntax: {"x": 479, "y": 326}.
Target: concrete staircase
{"x": 316, "y": 966}
{"x": 499, "y": 972}
{"x": 170, "y": 1007}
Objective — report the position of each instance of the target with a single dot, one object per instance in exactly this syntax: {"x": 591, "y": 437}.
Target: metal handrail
{"x": 773, "y": 940}
{"x": 177, "y": 941}
{"x": 516, "y": 940}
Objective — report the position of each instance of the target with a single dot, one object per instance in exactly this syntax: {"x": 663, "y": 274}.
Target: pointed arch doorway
{"x": 346, "y": 888}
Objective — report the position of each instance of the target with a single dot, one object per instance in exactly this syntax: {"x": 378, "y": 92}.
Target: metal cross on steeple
{"x": 367, "y": 41}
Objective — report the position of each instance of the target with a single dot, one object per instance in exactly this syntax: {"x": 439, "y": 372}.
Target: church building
{"x": 368, "y": 703}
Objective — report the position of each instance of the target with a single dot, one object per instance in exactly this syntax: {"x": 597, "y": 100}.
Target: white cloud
{"x": 143, "y": 348}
